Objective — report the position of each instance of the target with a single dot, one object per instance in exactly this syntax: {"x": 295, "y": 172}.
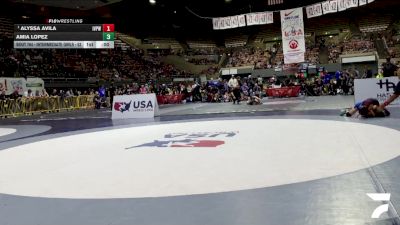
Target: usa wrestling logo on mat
{"x": 191, "y": 140}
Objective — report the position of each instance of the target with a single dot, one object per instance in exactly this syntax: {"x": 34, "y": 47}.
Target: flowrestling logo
{"x": 191, "y": 140}
{"x": 380, "y": 197}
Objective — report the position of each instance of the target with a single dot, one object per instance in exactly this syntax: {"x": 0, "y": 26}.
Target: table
{"x": 293, "y": 91}
{"x": 169, "y": 99}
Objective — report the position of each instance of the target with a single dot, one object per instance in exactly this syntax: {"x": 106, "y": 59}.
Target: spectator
{"x": 3, "y": 96}
{"x": 29, "y": 94}
{"x": 143, "y": 89}
{"x": 389, "y": 68}
{"x": 15, "y": 95}
{"x": 97, "y": 100}
{"x": 44, "y": 93}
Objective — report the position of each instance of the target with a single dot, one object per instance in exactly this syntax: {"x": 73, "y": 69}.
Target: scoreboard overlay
{"x": 64, "y": 36}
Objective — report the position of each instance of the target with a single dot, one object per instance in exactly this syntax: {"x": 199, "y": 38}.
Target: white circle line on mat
{"x": 193, "y": 158}
{"x": 6, "y": 131}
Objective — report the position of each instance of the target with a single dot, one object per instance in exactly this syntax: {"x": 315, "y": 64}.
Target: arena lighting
{"x": 152, "y": 2}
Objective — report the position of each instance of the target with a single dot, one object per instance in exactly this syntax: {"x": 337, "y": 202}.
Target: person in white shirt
{"x": 235, "y": 88}
{"x": 233, "y": 82}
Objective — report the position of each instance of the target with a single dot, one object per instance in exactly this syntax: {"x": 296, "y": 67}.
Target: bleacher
{"x": 201, "y": 44}
{"x": 331, "y": 25}
{"x": 376, "y": 23}
{"x": 355, "y": 46}
{"x": 269, "y": 34}
{"x": 6, "y": 27}
{"x": 173, "y": 43}
{"x": 120, "y": 44}
{"x": 312, "y": 55}
{"x": 394, "y": 51}
{"x": 246, "y": 56}
{"x": 236, "y": 41}
{"x": 127, "y": 39}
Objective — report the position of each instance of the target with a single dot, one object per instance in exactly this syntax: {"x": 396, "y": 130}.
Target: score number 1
{"x": 108, "y": 27}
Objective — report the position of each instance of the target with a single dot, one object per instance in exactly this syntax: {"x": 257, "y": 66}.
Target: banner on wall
{"x": 242, "y": 20}
{"x": 260, "y": 18}
{"x": 329, "y": 6}
{"x": 270, "y": 17}
{"x": 362, "y": 2}
{"x": 22, "y": 85}
{"x": 314, "y": 10}
{"x": 352, "y": 3}
{"x": 293, "y": 35}
{"x": 134, "y": 106}
{"x": 341, "y": 5}
{"x": 229, "y": 22}
{"x": 334, "y": 5}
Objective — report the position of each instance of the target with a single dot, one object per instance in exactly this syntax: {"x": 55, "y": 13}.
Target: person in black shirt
{"x": 111, "y": 91}
{"x": 388, "y": 68}
{"x": 3, "y": 96}
{"x": 15, "y": 95}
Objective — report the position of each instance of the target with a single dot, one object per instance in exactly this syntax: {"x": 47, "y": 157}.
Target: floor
{"x": 288, "y": 161}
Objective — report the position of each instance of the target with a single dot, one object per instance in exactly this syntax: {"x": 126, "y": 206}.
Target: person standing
{"x": 235, "y": 87}
{"x": 388, "y": 68}
{"x": 112, "y": 93}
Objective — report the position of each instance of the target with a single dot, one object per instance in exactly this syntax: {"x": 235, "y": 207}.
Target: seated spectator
{"x": 29, "y": 94}
{"x": 44, "y": 93}
{"x": 3, "y": 96}
{"x": 143, "y": 89}
{"x": 15, "y": 95}
{"x": 257, "y": 91}
{"x": 97, "y": 100}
